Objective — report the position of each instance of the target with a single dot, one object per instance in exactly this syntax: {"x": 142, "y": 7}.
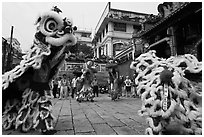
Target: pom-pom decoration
{"x": 26, "y": 92}
{"x": 86, "y": 92}
{"x": 166, "y": 93}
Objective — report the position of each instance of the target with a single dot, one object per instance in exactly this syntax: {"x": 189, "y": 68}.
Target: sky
{"x": 22, "y": 15}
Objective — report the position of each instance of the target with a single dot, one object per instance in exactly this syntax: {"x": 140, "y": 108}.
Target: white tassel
{"x": 148, "y": 131}
{"x": 151, "y": 124}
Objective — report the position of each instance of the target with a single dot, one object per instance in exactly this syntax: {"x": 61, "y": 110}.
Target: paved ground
{"x": 102, "y": 117}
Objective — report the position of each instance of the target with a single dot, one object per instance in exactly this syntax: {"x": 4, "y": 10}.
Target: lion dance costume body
{"x": 166, "y": 94}
{"x": 26, "y": 92}
{"x": 86, "y": 92}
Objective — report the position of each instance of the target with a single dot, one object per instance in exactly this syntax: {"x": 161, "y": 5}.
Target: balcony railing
{"x": 126, "y": 16}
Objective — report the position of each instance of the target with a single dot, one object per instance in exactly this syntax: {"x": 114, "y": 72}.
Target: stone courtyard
{"x": 102, "y": 117}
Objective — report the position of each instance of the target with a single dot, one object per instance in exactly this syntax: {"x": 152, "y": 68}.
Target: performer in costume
{"x": 64, "y": 93}
{"x": 115, "y": 81}
{"x": 167, "y": 94}
{"x": 26, "y": 94}
{"x": 77, "y": 83}
{"x": 86, "y": 92}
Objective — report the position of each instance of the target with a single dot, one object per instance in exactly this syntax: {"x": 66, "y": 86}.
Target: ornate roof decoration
{"x": 174, "y": 9}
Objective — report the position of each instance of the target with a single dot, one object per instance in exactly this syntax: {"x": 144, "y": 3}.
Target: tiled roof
{"x": 162, "y": 20}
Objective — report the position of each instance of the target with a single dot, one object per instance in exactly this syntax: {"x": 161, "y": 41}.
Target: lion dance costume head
{"x": 26, "y": 92}
{"x": 86, "y": 79}
{"x": 166, "y": 94}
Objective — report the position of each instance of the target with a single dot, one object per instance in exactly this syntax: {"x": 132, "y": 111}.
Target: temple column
{"x": 172, "y": 41}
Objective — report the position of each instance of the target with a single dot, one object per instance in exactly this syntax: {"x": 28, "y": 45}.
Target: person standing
{"x": 63, "y": 89}
{"x": 95, "y": 87}
{"x": 128, "y": 83}
{"x": 120, "y": 86}
{"x": 68, "y": 86}
{"x": 59, "y": 86}
{"x": 113, "y": 76}
{"x": 123, "y": 86}
{"x": 79, "y": 85}
{"x": 134, "y": 92}
{"x": 55, "y": 86}
{"x": 74, "y": 85}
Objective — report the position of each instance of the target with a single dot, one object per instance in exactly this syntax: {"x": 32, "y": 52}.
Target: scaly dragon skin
{"x": 26, "y": 92}
{"x": 166, "y": 94}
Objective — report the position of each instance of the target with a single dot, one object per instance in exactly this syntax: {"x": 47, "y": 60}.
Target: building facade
{"x": 72, "y": 62}
{"x": 84, "y": 36}
{"x": 69, "y": 67}
{"x": 114, "y": 31}
{"x": 11, "y": 54}
{"x": 75, "y": 61}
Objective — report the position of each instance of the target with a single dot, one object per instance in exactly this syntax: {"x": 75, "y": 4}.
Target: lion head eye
{"x": 50, "y": 25}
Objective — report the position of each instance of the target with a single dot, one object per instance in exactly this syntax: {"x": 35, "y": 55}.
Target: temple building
{"x": 176, "y": 30}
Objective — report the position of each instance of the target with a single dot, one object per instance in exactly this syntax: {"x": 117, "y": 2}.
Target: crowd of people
{"x": 64, "y": 87}
{"x": 127, "y": 87}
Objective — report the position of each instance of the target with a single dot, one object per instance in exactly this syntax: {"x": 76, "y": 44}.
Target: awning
{"x": 158, "y": 42}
